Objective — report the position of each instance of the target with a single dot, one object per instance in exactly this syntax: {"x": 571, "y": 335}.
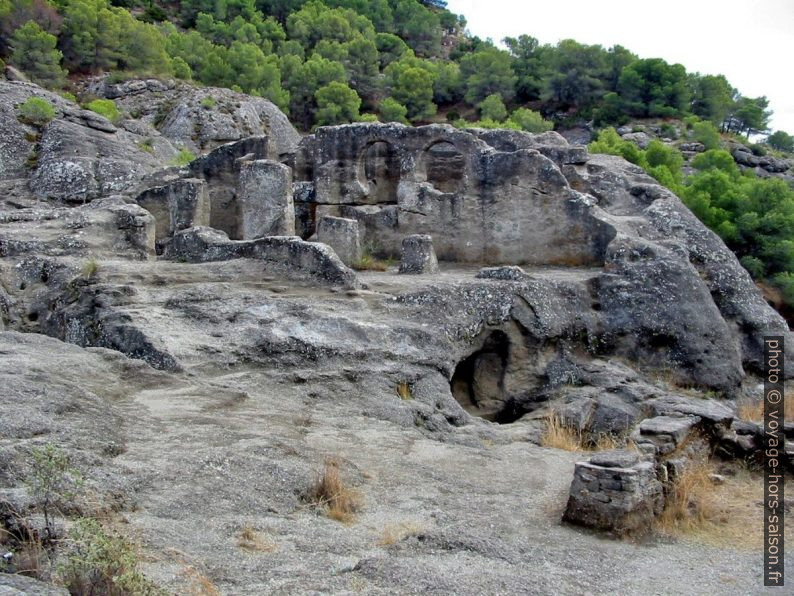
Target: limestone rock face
{"x": 265, "y": 196}
{"x": 201, "y": 119}
{"x": 418, "y": 255}
{"x": 342, "y": 235}
{"x": 480, "y": 203}
{"x": 176, "y": 206}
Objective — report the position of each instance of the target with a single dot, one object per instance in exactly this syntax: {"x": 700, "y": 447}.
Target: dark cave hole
{"x": 478, "y": 381}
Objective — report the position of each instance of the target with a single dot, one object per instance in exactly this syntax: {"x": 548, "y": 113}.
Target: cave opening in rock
{"x": 479, "y": 379}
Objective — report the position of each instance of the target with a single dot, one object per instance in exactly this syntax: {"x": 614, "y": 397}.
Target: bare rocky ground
{"x": 195, "y": 456}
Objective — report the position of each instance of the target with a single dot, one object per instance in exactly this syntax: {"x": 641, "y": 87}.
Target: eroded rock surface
{"x": 202, "y": 336}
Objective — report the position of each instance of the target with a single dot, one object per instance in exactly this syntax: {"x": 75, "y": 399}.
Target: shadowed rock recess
{"x": 185, "y": 335}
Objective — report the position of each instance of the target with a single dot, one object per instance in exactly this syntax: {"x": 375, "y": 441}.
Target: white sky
{"x": 750, "y": 42}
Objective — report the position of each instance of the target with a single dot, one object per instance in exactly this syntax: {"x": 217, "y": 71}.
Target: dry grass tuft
{"x": 252, "y": 540}
{"x": 753, "y": 410}
{"x": 394, "y": 532}
{"x": 200, "y": 584}
{"x": 560, "y": 435}
{"x": 404, "y": 391}
{"x": 722, "y": 515}
{"x": 369, "y": 263}
{"x": 340, "y": 501}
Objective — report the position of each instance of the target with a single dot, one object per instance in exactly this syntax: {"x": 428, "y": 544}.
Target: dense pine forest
{"x": 336, "y": 61}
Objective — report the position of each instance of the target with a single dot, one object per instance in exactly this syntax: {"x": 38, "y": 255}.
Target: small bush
{"x": 706, "y": 133}
{"x": 183, "y": 158}
{"x": 208, "y": 102}
{"x": 90, "y": 269}
{"x": 68, "y": 96}
{"x": 97, "y": 563}
{"x": 668, "y": 131}
{"x": 36, "y": 111}
{"x": 530, "y": 121}
{"x": 340, "y": 502}
{"x": 104, "y": 107}
{"x": 51, "y": 481}
{"x": 146, "y": 145}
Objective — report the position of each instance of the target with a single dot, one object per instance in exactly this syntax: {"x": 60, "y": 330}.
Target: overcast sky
{"x": 750, "y": 42}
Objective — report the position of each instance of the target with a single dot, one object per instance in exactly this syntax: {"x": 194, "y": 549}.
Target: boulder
{"x": 284, "y": 255}
{"x": 418, "y": 255}
{"x": 641, "y": 139}
{"x": 341, "y": 235}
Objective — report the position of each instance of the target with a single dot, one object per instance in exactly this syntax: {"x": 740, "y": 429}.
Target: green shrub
{"x": 530, "y": 121}
{"x": 208, "y": 102}
{"x": 782, "y": 141}
{"x": 183, "y": 158}
{"x": 493, "y": 108}
{"x": 690, "y": 121}
{"x": 36, "y": 111}
{"x": 68, "y": 96}
{"x": 51, "y": 481}
{"x": 452, "y": 116}
{"x": 96, "y": 562}
{"x": 707, "y": 134}
{"x": 668, "y": 131}
{"x": 368, "y": 118}
{"x": 754, "y": 266}
{"x": 104, "y": 107}
{"x": 392, "y": 110}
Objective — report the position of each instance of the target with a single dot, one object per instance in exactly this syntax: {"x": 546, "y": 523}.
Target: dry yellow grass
{"x": 394, "y": 532}
{"x": 252, "y": 540}
{"x": 200, "y": 585}
{"x": 754, "y": 410}
{"x": 727, "y": 514}
{"x": 340, "y": 501}
{"x": 404, "y": 391}
{"x": 559, "y": 435}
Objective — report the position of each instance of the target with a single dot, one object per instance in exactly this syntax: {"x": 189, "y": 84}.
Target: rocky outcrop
{"x": 200, "y": 119}
{"x": 287, "y": 255}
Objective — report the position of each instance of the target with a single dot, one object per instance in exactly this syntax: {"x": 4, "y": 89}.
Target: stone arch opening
{"x": 478, "y": 381}
{"x": 380, "y": 172}
{"x": 443, "y": 166}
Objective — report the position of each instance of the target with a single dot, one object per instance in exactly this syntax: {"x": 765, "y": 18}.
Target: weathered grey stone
{"x": 504, "y": 273}
{"x": 202, "y": 118}
{"x": 106, "y": 228}
{"x": 641, "y": 139}
{"x": 265, "y": 198}
{"x": 615, "y": 498}
{"x": 418, "y": 255}
{"x": 716, "y": 416}
{"x": 666, "y": 433}
{"x": 286, "y": 255}
{"x": 177, "y": 206}
{"x": 342, "y": 235}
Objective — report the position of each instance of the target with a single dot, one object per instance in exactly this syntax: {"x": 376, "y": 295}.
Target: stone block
{"x": 265, "y": 197}
{"x": 418, "y": 255}
{"x": 342, "y": 235}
